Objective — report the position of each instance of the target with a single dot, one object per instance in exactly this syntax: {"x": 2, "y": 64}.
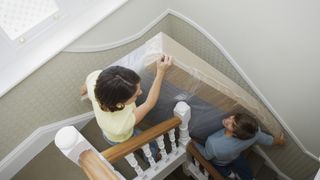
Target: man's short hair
{"x": 245, "y": 126}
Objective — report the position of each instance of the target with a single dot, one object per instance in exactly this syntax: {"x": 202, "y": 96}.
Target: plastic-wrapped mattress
{"x": 210, "y": 94}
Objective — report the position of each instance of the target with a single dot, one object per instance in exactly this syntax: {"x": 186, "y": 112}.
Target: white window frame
{"x": 31, "y": 50}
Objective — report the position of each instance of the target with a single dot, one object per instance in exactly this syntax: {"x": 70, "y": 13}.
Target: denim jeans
{"x": 239, "y": 166}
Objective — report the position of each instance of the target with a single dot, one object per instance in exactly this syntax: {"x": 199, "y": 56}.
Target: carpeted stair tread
{"x": 178, "y": 174}
{"x": 50, "y": 164}
{"x": 266, "y": 173}
{"x": 255, "y": 162}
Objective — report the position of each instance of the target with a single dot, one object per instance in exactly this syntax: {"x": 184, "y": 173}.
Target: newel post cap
{"x": 66, "y": 137}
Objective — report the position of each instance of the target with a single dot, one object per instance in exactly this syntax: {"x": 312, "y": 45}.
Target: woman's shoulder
{"x": 93, "y": 76}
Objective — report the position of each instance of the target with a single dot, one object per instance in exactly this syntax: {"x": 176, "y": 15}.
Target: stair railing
{"x": 198, "y": 163}
{"x": 75, "y": 146}
{"x": 94, "y": 167}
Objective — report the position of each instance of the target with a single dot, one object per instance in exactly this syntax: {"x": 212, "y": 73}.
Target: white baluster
{"x": 206, "y": 173}
{"x": 147, "y": 152}
{"x": 161, "y": 146}
{"x": 173, "y": 140}
{"x": 196, "y": 162}
{"x": 183, "y": 111}
{"x": 133, "y": 163}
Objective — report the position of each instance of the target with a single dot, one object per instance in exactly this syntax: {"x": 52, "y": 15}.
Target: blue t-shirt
{"x": 222, "y": 149}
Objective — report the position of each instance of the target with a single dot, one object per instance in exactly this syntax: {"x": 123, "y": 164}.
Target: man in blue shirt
{"x": 223, "y": 148}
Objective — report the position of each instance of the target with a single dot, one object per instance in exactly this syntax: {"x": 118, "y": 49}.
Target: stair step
{"x": 93, "y": 134}
{"x": 266, "y": 173}
{"x": 255, "y": 162}
{"x": 178, "y": 174}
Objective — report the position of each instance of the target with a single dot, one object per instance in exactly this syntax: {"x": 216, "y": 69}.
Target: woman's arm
{"x": 162, "y": 65}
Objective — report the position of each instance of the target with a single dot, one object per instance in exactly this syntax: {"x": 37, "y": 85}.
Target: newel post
{"x": 71, "y": 143}
{"x": 183, "y": 111}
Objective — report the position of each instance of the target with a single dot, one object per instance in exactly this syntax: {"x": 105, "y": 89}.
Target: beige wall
{"x": 132, "y": 18}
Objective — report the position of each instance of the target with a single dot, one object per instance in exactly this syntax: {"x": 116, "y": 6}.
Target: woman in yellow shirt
{"x": 113, "y": 93}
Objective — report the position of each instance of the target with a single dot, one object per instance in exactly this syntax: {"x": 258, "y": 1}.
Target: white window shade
{"x": 19, "y": 16}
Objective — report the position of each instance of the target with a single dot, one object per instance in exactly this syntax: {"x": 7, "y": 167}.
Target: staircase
{"x": 50, "y": 164}
{"x": 259, "y": 169}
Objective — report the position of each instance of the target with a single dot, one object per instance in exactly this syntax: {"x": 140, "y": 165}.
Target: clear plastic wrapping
{"x": 210, "y": 94}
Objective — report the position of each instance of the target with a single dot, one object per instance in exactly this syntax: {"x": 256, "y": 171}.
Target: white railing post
{"x": 161, "y": 146}
{"x": 183, "y": 111}
{"x": 134, "y": 163}
{"x": 71, "y": 143}
{"x": 206, "y": 173}
{"x": 148, "y": 154}
{"x": 173, "y": 140}
{"x": 196, "y": 162}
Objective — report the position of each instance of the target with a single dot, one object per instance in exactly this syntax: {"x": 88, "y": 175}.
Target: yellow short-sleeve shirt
{"x": 117, "y": 126}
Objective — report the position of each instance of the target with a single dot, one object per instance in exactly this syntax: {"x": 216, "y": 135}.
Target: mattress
{"x": 211, "y": 94}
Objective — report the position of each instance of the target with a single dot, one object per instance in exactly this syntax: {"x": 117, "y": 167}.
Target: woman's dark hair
{"x": 245, "y": 126}
{"x": 115, "y": 85}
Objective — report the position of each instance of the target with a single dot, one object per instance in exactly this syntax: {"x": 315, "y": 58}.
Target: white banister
{"x": 134, "y": 163}
{"x": 173, "y": 140}
{"x": 71, "y": 143}
{"x": 183, "y": 111}
{"x": 206, "y": 173}
{"x": 161, "y": 146}
{"x": 148, "y": 154}
{"x": 196, "y": 162}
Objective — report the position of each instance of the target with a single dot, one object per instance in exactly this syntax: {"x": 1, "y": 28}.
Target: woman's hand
{"x": 83, "y": 90}
{"x": 163, "y": 64}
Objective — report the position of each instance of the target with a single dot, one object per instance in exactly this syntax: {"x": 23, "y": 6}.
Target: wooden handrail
{"x": 119, "y": 151}
{"x": 211, "y": 170}
{"x": 94, "y": 168}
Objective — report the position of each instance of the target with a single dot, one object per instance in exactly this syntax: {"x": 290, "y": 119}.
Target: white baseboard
{"x": 270, "y": 164}
{"x": 35, "y": 143}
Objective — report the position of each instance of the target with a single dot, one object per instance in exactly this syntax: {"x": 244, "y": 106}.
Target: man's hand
{"x": 279, "y": 140}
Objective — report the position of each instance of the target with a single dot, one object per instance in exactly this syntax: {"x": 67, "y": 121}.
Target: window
{"x": 19, "y": 16}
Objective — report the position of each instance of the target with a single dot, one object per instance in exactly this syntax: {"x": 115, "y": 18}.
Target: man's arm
{"x": 205, "y": 151}
{"x": 266, "y": 139}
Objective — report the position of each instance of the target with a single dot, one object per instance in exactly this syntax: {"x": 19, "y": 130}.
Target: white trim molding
{"x": 269, "y": 163}
{"x": 107, "y": 46}
{"x": 36, "y": 142}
